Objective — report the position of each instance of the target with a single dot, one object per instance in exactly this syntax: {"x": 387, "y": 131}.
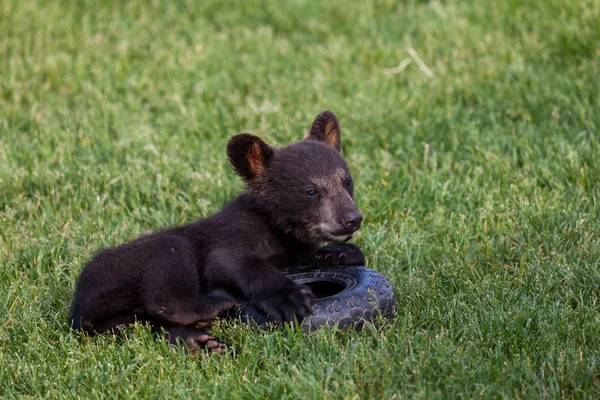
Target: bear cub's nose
{"x": 352, "y": 220}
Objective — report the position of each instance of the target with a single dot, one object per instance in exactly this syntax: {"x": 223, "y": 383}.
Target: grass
{"x": 471, "y": 128}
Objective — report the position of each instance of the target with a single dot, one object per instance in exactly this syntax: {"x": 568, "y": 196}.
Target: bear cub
{"x": 297, "y": 197}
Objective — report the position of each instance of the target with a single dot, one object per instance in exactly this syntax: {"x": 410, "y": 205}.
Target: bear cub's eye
{"x": 311, "y": 192}
{"x": 348, "y": 183}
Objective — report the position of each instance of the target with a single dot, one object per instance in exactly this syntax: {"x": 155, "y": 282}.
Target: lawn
{"x": 471, "y": 128}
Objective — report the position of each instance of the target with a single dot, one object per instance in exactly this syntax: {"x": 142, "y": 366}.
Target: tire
{"x": 347, "y": 297}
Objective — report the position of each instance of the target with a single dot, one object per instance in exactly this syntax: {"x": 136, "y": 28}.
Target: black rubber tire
{"x": 347, "y": 297}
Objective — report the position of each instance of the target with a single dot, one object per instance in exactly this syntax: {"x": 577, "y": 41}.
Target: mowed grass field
{"x": 471, "y": 128}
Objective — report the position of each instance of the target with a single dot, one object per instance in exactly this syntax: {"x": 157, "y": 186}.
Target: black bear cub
{"x": 179, "y": 279}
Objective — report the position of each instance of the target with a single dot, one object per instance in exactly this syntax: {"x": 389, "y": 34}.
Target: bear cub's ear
{"x": 249, "y": 155}
{"x": 326, "y": 128}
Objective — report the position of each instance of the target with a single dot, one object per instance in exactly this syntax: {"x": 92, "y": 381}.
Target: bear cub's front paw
{"x": 339, "y": 254}
{"x": 291, "y": 301}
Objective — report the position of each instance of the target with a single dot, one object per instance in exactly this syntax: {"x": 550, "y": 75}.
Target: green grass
{"x": 478, "y": 173}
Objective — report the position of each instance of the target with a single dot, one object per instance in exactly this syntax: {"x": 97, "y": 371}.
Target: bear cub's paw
{"x": 203, "y": 341}
{"x": 291, "y": 301}
{"x": 339, "y": 254}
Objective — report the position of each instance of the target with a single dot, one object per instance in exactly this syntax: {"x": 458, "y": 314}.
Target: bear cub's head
{"x": 305, "y": 188}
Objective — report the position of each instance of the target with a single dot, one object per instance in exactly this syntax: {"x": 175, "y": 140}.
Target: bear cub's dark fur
{"x": 179, "y": 279}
